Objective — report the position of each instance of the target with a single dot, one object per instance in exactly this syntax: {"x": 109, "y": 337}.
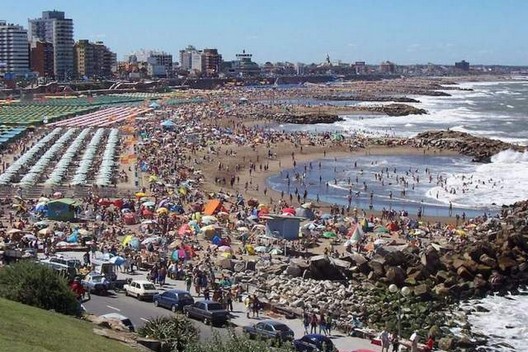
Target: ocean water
{"x": 496, "y": 110}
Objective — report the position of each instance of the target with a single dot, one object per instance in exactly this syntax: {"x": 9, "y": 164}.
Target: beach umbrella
{"x": 460, "y": 232}
{"x": 209, "y": 219}
{"x": 357, "y": 234}
{"x": 29, "y": 237}
{"x": 185, "y": 229}
{"x": 46, "y": 231}
{"x": 140, "y": 194}
{"x": 226, "y": 255}
{"x": 289, "y": 211}
{"x": 43, "y": 200}
{"x": 276, "y": 251}
{"x": 127, "y": 240}
{"x": 329, "y": 234}
{"x": 148, "y": 222}
{"x": 41, "y": 224}
{"x": 225, "y": 249}
{"x": 149, "y": 204}
{"x": 134, "y": 243}
{"x": 83, "y": 232}
{"x": 261, "y": 249}
{"x": 154, "y": 239}
{"x": 379, "y": 242}
{"x": 381, "y": 229}
{"x": 117, "y": 260}
{"x": 162, "y": 211}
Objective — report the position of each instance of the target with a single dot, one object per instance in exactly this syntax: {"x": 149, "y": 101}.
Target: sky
{"x": 401, "y": 31}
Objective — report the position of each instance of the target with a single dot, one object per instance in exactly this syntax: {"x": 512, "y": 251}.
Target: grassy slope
{"x": 26, "y": 329}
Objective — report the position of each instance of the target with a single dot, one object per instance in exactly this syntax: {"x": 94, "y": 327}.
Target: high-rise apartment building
{"x": 93, "y": 60}
{"x": 41, "y": 58}
{"x": 211, "y": 61}
{"x": 54, "y": 28}
{"x": 14, "y": 50}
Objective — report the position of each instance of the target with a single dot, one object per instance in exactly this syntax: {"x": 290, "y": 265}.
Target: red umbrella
{"x": 289, "y": 211}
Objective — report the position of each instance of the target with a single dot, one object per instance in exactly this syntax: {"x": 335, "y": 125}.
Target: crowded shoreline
{"x": 214, "y": 151}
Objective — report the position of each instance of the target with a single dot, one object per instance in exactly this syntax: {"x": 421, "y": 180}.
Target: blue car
{"x": 313, "y": 343}
{"x": 173, "y": 299}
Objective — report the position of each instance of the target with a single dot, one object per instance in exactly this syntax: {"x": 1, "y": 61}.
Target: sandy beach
{"x": 281, "y": 159}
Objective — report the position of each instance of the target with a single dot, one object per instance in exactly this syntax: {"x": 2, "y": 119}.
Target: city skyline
{"x": 404, "y": 32}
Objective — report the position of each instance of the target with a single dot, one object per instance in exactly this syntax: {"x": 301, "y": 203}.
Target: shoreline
{"x": 257, "y": 181}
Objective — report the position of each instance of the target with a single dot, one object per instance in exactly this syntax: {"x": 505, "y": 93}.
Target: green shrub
{"x": 236, "y": 343}
{"x": 39, "y": 286}
{"x": 175, "y": 332}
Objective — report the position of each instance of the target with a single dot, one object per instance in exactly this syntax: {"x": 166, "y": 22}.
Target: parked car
{"x": 173, "y": 299}
{"x": 269, "y": 330}
{"x": 96, "y": 283}
{"x": 141, "y": 289}
{"x": 313, "y": 343}
{"x": 209, "y": 311}
{"x": 121, "y": 319}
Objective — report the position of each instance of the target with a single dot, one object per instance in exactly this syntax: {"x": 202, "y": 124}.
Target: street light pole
{"x": 405, "y": 291}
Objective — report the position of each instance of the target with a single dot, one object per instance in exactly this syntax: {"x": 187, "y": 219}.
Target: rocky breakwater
{"x": 390, "y": 109}
{"x": 362, "y": 97}
{"x": 479, "y": 148}
{"x": 309, "y": 119}
{"x": 451, "y": 266}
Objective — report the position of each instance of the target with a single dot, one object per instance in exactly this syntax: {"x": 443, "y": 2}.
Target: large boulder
{"x": 487, "y": 260}
{"x": 431, "y": 260}
{"x": 377, "y": 266}
{"x": 464, "y": 274}
{"x": 506, "y": 263}
{"x": 395, "y": 258}
{"x": 395, "y": 275}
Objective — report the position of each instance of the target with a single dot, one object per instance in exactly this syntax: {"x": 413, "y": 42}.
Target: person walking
{"x": 322, "y": 324}
{"x": 248, "y": 302}
{"x": 306, "y": 322}
{"x": 329, "y": 322}
{"x": 313, "y": 324}
{"x": 385, "y": 340}
{"x": 395, "y": 341}
{"x": 188, "y": 282}
{"x": 256, "y": 306}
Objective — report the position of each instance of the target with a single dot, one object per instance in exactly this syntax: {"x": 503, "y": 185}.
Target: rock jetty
{"x": 372, "y": 98}
{"x": 479, "y": 148}
{"x": 309, "y": 119}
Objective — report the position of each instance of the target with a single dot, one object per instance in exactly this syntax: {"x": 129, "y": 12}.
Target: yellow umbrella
{"x": 153, "y": 178}
{"x": 140, "y": 194}
{"x": 226, "y": 255}
{"x": 162, "y": 211}
{"x": 460, "y": 232}
{"x": 127, "y": 239}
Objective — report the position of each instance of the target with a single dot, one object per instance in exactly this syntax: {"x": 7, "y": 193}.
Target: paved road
{"x": 139, "y": 312}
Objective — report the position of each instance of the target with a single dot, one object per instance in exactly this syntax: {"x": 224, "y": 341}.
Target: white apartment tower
{"x": 54, "y": 28}
{"x": 14, "y": 49}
